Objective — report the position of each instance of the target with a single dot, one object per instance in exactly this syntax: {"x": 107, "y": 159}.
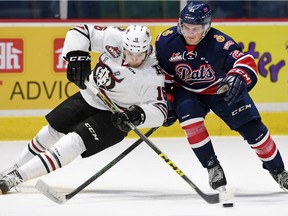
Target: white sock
{"x": 63, "y": 152}
{"x": 44, "y": 139}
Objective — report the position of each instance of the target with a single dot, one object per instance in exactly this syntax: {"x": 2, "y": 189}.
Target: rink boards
{"x": 24, "y": 128}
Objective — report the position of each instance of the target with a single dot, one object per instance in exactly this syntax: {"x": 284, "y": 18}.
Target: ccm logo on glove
{"x": 80, "y": 58}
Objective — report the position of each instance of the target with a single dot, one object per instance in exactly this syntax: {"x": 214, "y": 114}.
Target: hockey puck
{"x": 228, "y": 205}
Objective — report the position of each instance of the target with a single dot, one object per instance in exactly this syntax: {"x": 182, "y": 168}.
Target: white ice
{"x": 142, "y": 184}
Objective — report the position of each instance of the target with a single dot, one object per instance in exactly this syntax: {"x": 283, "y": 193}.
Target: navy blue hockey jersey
{"x": 201, "y": 68}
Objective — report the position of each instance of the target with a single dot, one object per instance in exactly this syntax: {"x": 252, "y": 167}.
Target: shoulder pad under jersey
{"x": 221, "y": 41}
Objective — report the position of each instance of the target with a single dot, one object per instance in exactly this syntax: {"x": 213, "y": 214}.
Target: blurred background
{"x": 93, "y": 9}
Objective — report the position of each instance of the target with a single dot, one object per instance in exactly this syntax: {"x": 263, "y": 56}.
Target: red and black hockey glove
{"x": 235, "y": 85}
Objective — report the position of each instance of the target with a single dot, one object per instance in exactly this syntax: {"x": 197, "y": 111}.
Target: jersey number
{"x": 161, "y": 93}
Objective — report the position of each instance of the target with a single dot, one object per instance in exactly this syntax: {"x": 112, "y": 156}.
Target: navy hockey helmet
{"x": 195, "y": 13}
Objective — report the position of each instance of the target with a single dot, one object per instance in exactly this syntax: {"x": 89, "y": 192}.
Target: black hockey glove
{"x": 235, "y": 86}
{"x": 79, "y": 67}
{"x": 172, "y": 116}
{"x": 133, "y": 114}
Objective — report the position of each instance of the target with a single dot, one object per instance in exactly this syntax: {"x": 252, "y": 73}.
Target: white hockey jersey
{"x": 126, "y": 86}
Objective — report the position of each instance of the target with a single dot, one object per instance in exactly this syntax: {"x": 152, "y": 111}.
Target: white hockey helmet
{"x": 137, "y": 38}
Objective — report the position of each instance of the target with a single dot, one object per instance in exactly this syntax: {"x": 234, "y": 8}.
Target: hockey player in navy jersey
{"x": 126, "y": 71}
{"x": 207, "y": 70}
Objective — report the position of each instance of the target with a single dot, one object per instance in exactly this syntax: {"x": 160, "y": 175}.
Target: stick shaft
{"x": 213, "y": 198}
{"x": 109, "y": 165}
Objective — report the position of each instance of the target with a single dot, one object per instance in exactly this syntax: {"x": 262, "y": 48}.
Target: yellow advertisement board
{"x": 32, "y": 72}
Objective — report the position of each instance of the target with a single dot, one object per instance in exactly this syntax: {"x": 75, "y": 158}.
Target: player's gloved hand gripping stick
{"x": 234, "y": 85}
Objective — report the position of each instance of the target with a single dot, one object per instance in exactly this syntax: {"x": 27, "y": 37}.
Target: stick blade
{"x": 49, "y": 192}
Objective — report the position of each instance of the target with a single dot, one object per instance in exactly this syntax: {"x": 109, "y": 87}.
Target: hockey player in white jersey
{"x": 126, "y": 71}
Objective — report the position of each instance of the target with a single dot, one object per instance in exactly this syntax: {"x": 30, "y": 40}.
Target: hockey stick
{"x": 60, "y": 198}
{"x": 210, "y": 198}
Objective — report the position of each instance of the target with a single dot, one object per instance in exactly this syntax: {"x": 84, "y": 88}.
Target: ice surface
{"x": 142, "y": 184}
